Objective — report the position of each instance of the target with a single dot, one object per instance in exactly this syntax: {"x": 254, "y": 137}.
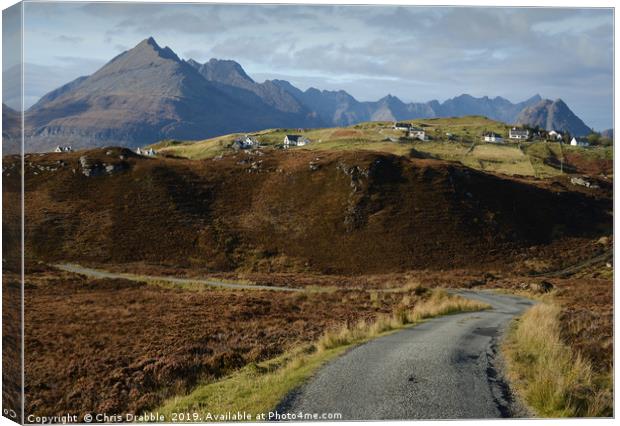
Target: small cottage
{"x": 403, "y": 126}
{"x": 295, "y": 140}
{"x": 63, "y": 148}
{"x": 492, "y": 137}
{"x": 417, "y": 133}
{"x": 579, "y": 142}
{"x": 518, "y": 133}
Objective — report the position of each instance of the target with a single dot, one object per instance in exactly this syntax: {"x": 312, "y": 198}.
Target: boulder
{"x": 542, "y": 287}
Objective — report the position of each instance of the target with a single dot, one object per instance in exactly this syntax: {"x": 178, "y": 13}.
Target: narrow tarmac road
{"x": 100, "y": 273}
{"x": 445, "y": 368}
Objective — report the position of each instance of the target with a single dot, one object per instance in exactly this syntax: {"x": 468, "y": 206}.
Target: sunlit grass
{"x": 552, "y": 379}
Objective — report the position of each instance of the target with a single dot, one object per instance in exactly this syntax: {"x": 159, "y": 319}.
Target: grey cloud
{"x": 69, "y": 39}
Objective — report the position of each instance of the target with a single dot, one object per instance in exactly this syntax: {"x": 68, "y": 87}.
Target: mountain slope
{"x": 553, "y": 115}
{"x": 229, "y": 74}
{"x": 11, "y": 130}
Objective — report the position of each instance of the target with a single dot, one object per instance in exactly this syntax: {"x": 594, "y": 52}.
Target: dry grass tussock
{"x": 554, "y": 380}
{"x": 439, "y": 303}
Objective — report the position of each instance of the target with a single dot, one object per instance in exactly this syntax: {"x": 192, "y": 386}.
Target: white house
{"x": 64, "y": 148}
{"x": 579, "y": 142}
{"x": 403, "y": 126}
{"x": 295, "y": 140}
{"x": 417, "y": 133}
{"x": 493, "y": 137}
{"x": 555, "y": 135}
{"x": 517, "y": 133}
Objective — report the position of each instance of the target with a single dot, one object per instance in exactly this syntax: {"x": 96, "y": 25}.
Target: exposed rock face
{"x": 553, "y": 115}
{"x": 583, "y": 182}
{"x": 93, "y": 167}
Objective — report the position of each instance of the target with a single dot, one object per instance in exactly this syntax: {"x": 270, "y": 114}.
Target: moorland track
{"x": 99, "y": 274}
{"x": 606, "y": 256}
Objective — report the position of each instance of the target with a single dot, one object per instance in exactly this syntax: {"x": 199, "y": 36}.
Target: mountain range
{"x": 148, "y": 93}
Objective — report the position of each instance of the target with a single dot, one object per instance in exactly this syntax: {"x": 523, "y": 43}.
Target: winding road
{"x": 100, "y": 273}
{"x": 445, "y": 368}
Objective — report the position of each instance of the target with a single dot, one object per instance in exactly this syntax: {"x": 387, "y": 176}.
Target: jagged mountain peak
{"x": 139, "y": 61}
{"x": 148, "y": 48}
{"x": 390, "y": 98}
{"x": 535, "y": 98}
{"x": 224, "y": 71}
{"x": 553, "y": 115}
{"x": 193, "y": 63}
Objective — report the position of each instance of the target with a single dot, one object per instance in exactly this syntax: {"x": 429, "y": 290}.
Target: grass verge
{"x": 552, "y": 379}
{"x": 258, "y": 388}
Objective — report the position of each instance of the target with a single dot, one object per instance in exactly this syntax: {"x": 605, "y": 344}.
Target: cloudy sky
{"x": 415, "y": 53}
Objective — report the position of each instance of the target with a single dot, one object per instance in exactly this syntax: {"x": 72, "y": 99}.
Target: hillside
{"x": 452, "y": 139}
{"x": 330, "y": 212}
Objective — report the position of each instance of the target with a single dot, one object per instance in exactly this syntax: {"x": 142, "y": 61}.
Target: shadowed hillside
{"x": 356, "y": 212}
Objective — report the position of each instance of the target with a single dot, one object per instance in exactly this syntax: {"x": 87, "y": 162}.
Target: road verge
{"x": 548, "y": 375}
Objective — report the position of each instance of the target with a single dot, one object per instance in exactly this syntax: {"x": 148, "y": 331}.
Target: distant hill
{"x": 608, "y": 133}
{"x": 338, "y": 108}
{"x": 148, "y": 93}
{"x": 11, "y": 130}
{"x": 553, "y": 115}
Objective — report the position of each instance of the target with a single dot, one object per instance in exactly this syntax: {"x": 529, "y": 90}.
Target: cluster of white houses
{"x": 519, "y": 134}
{"x": 249, "y": 142}
{"x": 63, "y": 148}
{"x": 514, "y": 133}
{"x": 146, "y": 152}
